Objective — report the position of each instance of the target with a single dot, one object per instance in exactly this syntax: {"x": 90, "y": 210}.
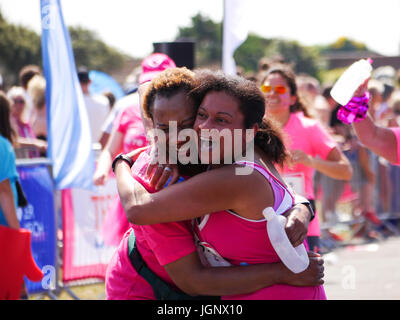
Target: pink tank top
{"x": 245, "y": 241}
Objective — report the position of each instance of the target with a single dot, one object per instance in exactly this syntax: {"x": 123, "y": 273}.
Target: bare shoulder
{"x": 249, "y": 187}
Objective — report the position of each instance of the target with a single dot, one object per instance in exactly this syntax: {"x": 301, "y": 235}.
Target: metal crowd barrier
{"x": 390, "y": 219}
{"x": 50, "y": 224}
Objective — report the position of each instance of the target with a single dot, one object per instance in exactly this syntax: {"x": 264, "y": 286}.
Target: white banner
{"x": 235, "y": 31}
{"x": 85, "y": 253}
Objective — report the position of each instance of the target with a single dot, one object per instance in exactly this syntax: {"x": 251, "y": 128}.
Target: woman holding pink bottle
{"x": 385, "y": 142}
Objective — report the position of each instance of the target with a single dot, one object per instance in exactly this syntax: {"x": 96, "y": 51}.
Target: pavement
{"x": 364, "y": 271}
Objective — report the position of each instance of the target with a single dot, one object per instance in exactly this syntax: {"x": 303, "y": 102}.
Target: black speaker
{"x": 181, "y": 52}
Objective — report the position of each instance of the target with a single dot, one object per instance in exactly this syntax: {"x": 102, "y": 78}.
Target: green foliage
{"x": 330, "y": 76}
{"x": 93, "y": 53}
{"x": 305, "y": 59}
{"x": 251, "y": 51}
{"x": 19, "y": 46}
{"x": 208, "y": 39}
{"x": 344, "y": 44}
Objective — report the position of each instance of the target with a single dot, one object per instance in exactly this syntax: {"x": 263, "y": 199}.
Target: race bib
{"x": 209, "y": 256}
{"x": 296, "y": 181}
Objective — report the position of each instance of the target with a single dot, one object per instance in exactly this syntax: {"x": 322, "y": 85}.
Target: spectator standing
{"x": 310, "y": 145}
{"x": 128, "y": 133}
{"x": 25, "y": 75}
{"x": 97, "y": 106}
{"x": 37, "y": 90}
{"x": 8, "y": 169}
{"x": 25, "y": 135}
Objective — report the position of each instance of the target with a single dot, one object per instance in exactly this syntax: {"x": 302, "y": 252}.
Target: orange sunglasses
{"x": 278, "y": 89}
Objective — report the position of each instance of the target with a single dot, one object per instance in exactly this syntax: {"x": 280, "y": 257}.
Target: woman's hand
{"x": 100, "y": 178}
{"x": 162, "y": 173}
{"x": 362, "y": 89}
{"x": 298, "y": 219}
{"x": 299, "y": 156}
{"x": 312, "y": 276}
{"x": 40, "y": 144}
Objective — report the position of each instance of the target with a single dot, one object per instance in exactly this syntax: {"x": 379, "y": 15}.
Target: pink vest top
{"x": 245, "y": 241}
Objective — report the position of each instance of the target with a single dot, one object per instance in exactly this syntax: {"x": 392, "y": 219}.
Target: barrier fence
{"x": 66, "y": 226}
{"x": 385, "y": 201}
{"x": 39, "y": 217}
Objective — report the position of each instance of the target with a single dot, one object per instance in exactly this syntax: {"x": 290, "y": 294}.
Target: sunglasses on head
{"x": 278, "y": 89}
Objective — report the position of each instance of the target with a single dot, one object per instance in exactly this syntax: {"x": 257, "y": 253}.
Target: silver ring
{"x": 167, "y": 169}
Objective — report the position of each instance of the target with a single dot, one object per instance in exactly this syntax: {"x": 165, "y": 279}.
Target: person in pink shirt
{"x": 128, "y": 134}
{"x": 225, "y": 103}
{"x": 385, "y": 142}
{"x": 311, "y": 147}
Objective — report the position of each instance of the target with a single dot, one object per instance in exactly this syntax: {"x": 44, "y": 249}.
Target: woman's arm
{"x": 112, "y": 148}
{"x": 365, "y": 164}
{"x": 41, "y": 145}
{"x": 381, "y": 141}
{"x": 189, "y": 200}
{"x": 7, "y": 204}
{"x": 215, "y": 190}
{"x": 194, "y": 279}
{"x": 298, "y": 219}
{"x": 336, "y": 165}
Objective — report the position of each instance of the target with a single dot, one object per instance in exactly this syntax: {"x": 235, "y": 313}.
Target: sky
{"x": 133, "y": 25}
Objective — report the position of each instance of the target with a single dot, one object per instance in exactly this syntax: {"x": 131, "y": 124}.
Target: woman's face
{"x": 17, "y": 106}
{"x": 173, "y": 111}
{"x": 277, "y": 102}
{"x": 218, "y": 112}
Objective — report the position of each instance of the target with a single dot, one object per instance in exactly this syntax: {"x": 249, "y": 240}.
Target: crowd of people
{"x": 373, "y": 186}
{"x": 176, "y": 225}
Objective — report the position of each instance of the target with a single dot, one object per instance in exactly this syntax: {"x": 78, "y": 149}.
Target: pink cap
{"x": 153, "y": 65}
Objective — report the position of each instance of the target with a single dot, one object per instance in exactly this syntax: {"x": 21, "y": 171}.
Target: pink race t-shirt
{"x": 309, "y": 136}
{"x": 159, "y": 245}
{"x": 396, "y": 131}
{"x": 130, "y": 124}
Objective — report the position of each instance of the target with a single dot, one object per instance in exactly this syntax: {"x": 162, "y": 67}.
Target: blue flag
{"x": 69, "y": 136}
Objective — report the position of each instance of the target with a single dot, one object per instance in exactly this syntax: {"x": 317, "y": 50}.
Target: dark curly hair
{"x": 251, "y": 105}
{"x": 167, "y": 84}
{"x": 5, "y": 126}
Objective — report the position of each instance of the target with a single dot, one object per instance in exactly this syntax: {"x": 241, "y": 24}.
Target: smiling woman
{"x": 311, "y": 146}
{"x": 227, "y": 103}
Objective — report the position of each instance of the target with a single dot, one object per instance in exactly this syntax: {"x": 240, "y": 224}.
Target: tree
{"x": 305, "y": 59}
{"x": 207, "y": 35}
{"x": 251, "y": 51}
{"x": 208, "y": 39}
{"x": 93, "y": 53}
{"x": 344, "y": 44}
{"x": 19, "y": 46}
